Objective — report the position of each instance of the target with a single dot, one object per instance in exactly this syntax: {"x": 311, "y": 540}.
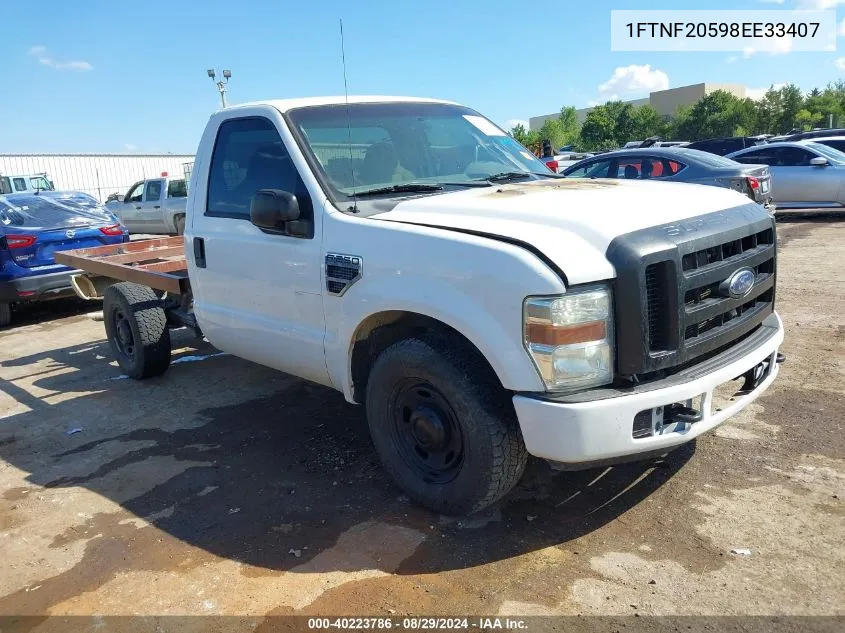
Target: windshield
{"x": 397, "y": 144}
{"x": 827, "y": 152}
{"x": 40, "y": 182}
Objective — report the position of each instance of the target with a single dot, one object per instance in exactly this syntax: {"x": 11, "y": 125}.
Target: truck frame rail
{"x": 157, "y": 263}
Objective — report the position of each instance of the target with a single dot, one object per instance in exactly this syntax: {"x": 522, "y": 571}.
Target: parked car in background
{"x": 836, "y": 142}
{"x": 814, "y": 134}
{"x": 155, "y": 205}
{"x": 678, "y": 164}
{"x": 32, "y": 228}
{"x": 25, "y": 183}
{"x": 654, "y": 142}
{"x": 561, "y": 161}
{"x": 807, "y": 175}
{"x": 725, "y": 146}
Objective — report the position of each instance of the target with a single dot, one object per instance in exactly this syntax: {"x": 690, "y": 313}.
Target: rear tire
{"x": 136, "y": 326}
{"x": 443, "y": 427}
{"x": 180, "y": 225}
{"x": 5, "y": 314}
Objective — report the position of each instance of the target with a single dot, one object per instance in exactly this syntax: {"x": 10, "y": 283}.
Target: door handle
{"x": 138, "y": 207}
{"x": 158, "y": 206}
{"x": 199, "y": 252}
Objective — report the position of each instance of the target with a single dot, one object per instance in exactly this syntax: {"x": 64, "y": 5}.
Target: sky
{"x": 121, "y": 77}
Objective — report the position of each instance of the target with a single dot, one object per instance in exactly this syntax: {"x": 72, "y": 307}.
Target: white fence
{"x": 96, "y": 174}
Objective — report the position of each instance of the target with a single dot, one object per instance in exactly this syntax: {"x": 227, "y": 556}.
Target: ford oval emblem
{"x": 70, "y": 233}
{"x": 739, "y": 283}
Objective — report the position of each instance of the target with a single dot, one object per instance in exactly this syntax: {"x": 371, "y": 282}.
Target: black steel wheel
{"x": 427, "y": 432}
{"x": 124, "y": 341}
{"x": 443, "y": 426}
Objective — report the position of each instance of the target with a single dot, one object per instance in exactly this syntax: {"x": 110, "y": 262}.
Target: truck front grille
{"x": 672, "y": 301}
{"x": 706, "y": 311}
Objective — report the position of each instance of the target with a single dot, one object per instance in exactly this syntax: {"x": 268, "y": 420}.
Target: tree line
{"x": 718, "y": 114}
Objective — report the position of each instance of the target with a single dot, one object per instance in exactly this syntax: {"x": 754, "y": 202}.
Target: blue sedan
{"x": 32, "y": 228}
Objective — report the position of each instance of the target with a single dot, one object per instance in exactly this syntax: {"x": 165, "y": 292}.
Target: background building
{"x": 666, "y": 102}
{"x": 96, "y": 174}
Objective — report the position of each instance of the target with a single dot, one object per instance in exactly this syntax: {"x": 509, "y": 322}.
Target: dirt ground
{"x": 227, "y": 488}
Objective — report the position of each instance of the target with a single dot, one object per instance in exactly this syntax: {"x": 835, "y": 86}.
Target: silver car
{"x": 678, "y": 164}
{"x": 836, "y": 142}
{"x": 806, "y": 174}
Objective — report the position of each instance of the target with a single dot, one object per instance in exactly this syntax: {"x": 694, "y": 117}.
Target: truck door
{"x": 151, "y": 215}
{"x": 256, "y": 294}
{"x": 129, "y": 210}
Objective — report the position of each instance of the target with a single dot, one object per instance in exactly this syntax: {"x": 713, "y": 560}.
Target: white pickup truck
{"x": 413, "y": 256}
{"x": 155, "y": 205}
{"x": 25, "y": 183}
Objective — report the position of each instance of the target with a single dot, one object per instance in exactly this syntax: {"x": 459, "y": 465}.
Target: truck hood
{"x": 571, "y": 221}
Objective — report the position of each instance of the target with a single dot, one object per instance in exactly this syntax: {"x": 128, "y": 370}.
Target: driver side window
{"x": 136, "y": 194}
{"x": 594, "y": 169}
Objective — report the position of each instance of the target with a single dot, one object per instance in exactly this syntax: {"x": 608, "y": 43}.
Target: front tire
{"x": 443, "y": 427}
{"x": 136, "y": 326}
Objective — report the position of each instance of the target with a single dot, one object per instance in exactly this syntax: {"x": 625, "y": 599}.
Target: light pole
{"x": 221, "y": 85}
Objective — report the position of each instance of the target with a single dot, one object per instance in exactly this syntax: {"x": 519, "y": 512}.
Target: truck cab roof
{"x": 283, "y": 105}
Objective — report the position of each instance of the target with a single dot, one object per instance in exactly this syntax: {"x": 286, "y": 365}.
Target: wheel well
{"x": 381, "y": 330}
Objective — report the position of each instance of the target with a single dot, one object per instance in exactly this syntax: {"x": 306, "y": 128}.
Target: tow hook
{"x": 756, "y": 375}
{"x": 681, "y": 414}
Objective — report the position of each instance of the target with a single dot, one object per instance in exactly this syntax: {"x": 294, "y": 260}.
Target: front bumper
{"x": 37, "y": 287}
{"x": 580, "y": 432}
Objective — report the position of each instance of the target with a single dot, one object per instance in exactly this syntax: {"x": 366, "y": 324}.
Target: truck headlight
{"x": 570, "y": 337}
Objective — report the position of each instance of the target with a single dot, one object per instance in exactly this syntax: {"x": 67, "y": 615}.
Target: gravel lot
{"x": 227, "y": 488}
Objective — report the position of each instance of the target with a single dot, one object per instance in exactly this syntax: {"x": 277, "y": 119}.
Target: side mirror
{"x": 270, "y": 209}
{"x": 818, "y": 161}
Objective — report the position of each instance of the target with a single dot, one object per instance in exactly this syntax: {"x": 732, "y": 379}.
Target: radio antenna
{"x": 354, "y": 207}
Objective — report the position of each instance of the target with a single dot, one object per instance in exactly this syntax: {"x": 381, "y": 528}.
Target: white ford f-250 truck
{"x": 413, "y": 256}
{"x": 154, "y": 205}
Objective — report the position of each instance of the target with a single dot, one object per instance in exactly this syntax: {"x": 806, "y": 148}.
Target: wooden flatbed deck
{"x": 157, "y": 263}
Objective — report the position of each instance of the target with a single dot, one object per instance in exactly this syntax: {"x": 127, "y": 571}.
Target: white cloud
{"x": 840, "y": 63}
{"x": 819, "y": 4}
{"x": 759, "y": 93}
{"x": 512, "y": 123}
{"x": 130, "y": 147}
{"x": 634, "y": 79}
{"x": 43, "y": 56}
{"x": 731, "y": 59}
{"x": 780, "y": 46}
{"x": 592, "y": 103}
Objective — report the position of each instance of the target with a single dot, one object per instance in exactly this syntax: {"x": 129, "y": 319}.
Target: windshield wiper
{"x": 408, "y": 187}
{"x": 508, "y": 175}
